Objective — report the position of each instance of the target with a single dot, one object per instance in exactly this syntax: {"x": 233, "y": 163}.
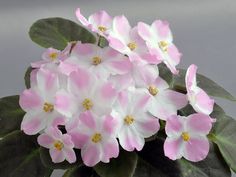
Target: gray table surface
{"x": 204, "y": 31}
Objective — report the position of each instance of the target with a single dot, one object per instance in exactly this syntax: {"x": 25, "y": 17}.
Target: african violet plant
{"x": 107, "y": 100}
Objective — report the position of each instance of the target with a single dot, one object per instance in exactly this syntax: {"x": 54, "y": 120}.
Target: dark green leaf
{"x": 58, "y": 32}
{"x": 82, "y": 171}
{"x": 27, "y": 77}
{"x": 165, "y": 73}
{"x": 224, "y": 135}
{"x": 47, "y": 161}
{"x": 10, "y": 115}
{"x": 123, "y": 166}
{"x": 19, "y": 156}
{"x": 153, "y": 155}
{"x": 205, "y": 83}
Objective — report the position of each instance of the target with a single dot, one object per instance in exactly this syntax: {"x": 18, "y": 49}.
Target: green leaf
{"x": 58, "y": 32}
{"x": 224, "y": 135}
{"x": 10, "y": 115}
{"x": 47, "y": 161}
{"x": 82, "y": 171}
{"x": 165, "y": 73}
{"x": 27, "y": 77}
{"x": 123, "y": 166}
{"x": 205, "y": 83}
{"x": 19, "y": 156}
{"x": 157, "y": 163}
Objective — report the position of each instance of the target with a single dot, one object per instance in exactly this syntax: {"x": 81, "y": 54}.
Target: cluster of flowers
{"x": 102, "y": 95}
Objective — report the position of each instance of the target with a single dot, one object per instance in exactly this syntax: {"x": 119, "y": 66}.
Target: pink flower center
{"x": 58, "y": 145}
{"x": 97, "y": 137}
{"x": 102, "y": 28}
{"x": 47, "y": 107}
{"x": 96, "y": 60}
{"x": 185, "y": 136}
{"x": 129, "y": 120}
{"x": 87, "y": 104}
{"x": 153, "y": 90}
{"x": 132, "y": 46}
{"x": 163, "y": 45}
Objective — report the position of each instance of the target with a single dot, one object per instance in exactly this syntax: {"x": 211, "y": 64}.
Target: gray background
{"x": 204, "y": 31}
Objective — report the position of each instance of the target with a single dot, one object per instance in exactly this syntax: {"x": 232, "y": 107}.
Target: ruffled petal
{"x": 91, "y": 154}
{"x": 110, "y": 149}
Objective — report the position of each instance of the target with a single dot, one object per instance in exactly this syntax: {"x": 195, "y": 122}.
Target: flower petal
{"x": 87, "y": 119}
{"x": 203, "y": 103}
{"x": 57, "y": 156}
{"x": 173, "y": 148}
{"x": 33, "y": 123}
{"x": 110, "y": 149}
{"x": 196, "y": 149}
{"x": 91, "y": 154}
{"x": 174, "y": 126}
{"x": 69, "y": 155}
{"x": 199, "y": 124}
{"x": 65, "y": 103}
{"x": 30, "y": 100}
{"x": 144, "y": 31}
{"x": 81, "y": 18}
{"x": 45, "y": 140}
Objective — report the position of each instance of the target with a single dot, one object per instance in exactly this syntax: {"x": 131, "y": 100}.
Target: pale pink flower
{"x": 134, "y": 121}
{"x": 39, "y": 104}
{"x": 186, "y": 137}
{"x": 197, "y": 97}
{"x": 126, "y": 40}
{"x": 101, "y": 61}
{"x": 99, "y": 22}
{"x": 52, "y": 56}
{"x": 60, "y": 145}
{"x": 95, "y": 136}
{"x": 159, "y": 40}
{"x": 86, "y": 92}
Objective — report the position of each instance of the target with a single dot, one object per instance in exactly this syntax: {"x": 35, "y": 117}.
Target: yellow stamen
{"x": 153, "y": 90}
{"x": 102, "y": 29}
{"x": 47, "y": 107}
{"x": 97, "y": 60}
{"x": 129, "y": 120}
{"x": 87, "y": 104}
{"x": 53, "y": 56}
{"x": 58, "y": 145}
{"x": 97, "y": 137}
{"x": 185, "y": 136}
{"x": 163, "y": 45}
{"x": 132, "y": 46}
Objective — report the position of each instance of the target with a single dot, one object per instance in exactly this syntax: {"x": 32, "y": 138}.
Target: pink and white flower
{"x": 197, "y": 97}
{"x": 101, "y": 61}
{"x": 159, "y": 40}
{"x": 39, "y": 104}
{"x": 135, "y": 123}
{"x": 99, "y": 22}
{"x": 86, "y": 93}
{"x": 126, "y": 40}
{"x": 60, "y": 145}
{"x": 164, "y": 102}
{"x": 52, "y": 56}
{"x": 186, "y": 137}
{"x": 95, "y": 136}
